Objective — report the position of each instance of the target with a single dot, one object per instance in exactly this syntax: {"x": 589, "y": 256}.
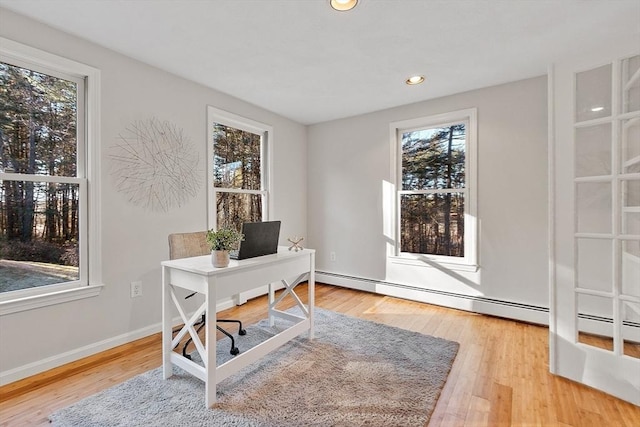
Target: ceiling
{"x": 305, "y": 61}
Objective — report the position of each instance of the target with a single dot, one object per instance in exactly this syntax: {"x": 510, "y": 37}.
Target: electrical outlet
{"x": 332, "y": 256}
{"x": 136, "y": 289}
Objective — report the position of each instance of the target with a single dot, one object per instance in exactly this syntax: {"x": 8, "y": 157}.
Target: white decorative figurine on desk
{"x": 296, "y": 243}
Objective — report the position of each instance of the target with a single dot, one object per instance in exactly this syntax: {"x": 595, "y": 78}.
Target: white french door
{"x": 594, "y": 168}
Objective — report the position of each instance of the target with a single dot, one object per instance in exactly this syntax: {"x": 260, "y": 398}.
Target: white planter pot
{"x": 220, "y": 259}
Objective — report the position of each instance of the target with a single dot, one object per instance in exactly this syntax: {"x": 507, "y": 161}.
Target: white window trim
{"x": 470, "y": 261}
{"x": 27, "y": 299}
{"x": 216, "y": 115}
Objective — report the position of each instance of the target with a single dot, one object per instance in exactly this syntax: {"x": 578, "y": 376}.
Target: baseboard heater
{"x": 484, "y": 305}
{"x": 629, "y": 323}
{"x": 502, "y": 308}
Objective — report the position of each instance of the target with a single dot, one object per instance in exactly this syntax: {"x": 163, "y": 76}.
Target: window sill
{"x": 50, "y": 298}
{"x": 423, "y": 261}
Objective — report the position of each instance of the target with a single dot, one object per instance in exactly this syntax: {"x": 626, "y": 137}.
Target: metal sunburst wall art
{"x": 155, "y": 166}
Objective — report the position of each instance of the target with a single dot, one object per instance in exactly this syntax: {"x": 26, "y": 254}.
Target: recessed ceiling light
{"x": 343, "y": 5}
{"x": 414, "y": 80}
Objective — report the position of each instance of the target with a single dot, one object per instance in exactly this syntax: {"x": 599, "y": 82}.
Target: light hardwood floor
{"x": 500, "y": 376}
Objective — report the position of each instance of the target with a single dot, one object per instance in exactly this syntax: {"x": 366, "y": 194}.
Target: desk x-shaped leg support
{"x": 288, "y": 290}
{"x": 188, "y": 327}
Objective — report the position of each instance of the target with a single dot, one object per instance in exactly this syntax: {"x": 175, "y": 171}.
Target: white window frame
{"x": 470, "y": 260}
{"x": 90, "y": 282}
{"x": 216, "y": 115}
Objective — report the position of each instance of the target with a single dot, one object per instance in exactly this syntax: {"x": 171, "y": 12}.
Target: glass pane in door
{"x": 630, "y": 193}
{"x": 630, "y": 145}
{"x": 593, "y": 93}
{"x": 630, "y": 223}
{"x": 630, "y": 268}
{"x": 594, "y": 266}
{"x": 593, "y": 207}
{"x": 593, "y": 150}
{"x": 630, "y": 84}
{"x": 594, "y": 321}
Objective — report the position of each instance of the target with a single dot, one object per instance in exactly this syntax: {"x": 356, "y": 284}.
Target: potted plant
{"x": 222, "y": 241}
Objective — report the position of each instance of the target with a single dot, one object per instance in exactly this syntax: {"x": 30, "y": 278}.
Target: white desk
{"x": 197, "y": 274}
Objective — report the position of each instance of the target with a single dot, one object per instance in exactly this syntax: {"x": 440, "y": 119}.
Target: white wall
{"x": 135, "y": 240}
{"x": 349, "y": 160}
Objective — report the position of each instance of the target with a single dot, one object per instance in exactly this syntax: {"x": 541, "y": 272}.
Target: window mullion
{"x": 435, "y": 191}
{"x": 40, "y": 178}
{"x": 238, "y": 190}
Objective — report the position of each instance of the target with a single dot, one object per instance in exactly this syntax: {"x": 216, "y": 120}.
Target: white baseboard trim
{"x": 57, "y": 360}
{"x": 493, "y": 307}
{"x": 39, "y": 366}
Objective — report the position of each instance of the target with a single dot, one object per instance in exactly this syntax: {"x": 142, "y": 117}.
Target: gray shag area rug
{"x": 355, "y": 373}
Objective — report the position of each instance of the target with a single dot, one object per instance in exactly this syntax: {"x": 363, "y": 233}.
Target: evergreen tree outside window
{"x": 435, "y": 197}
{"x": 239, "y": 170}
{"x": 39, "y": 219}
{"x": 44, "y": 197}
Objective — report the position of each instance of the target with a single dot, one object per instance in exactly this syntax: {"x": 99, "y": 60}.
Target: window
{"x": 435, "y": 188}
{"x": 44, "y": 172}
{"x": 239, "y": 170}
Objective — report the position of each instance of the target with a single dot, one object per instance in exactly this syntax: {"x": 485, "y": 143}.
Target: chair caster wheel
{"x": 234, "y": 351}
{"x": 242, "y": 332}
